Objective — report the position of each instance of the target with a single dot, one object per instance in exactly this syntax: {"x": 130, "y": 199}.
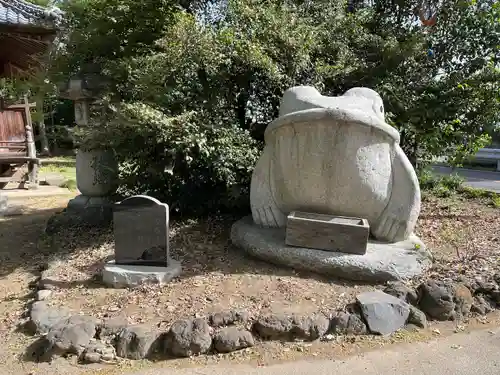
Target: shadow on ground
{"x": 202, "y": 246}
{"x": 24, "y": 246}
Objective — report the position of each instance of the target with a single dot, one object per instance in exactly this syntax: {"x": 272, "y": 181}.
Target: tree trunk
{"x": 44, "y": 142}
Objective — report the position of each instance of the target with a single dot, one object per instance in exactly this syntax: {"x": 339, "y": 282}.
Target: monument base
{"x": 95, "y": 211}
{"x": 82, "y": 203}
{"x": 128, "y": 276}
{"x": 382, "y": 261}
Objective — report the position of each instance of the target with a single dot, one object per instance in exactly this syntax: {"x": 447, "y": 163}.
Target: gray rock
{"x": 495, "y": 296}
{"x": 43, "y": 317}
{"x": 111, "y": 328}
{"x": 273, "y": 326}
{"x": 345, "y": 323}
{"x": 436, "y": 300}
{"x": 226, "y": 318}
{"x": 382, "y": 262}
{"x": 417, "y": 317}
{"x": 137, "y": 342}
{"x": 444, "y": 301}
{"x": 284, "y": 327}
{"x": 189, "y": 337}
{"x": 479, "y": 286}
{"x": 43, "y": 294}
{"x": 309, "y": 327}
{"x": 400, "y": 290}
{"x": 230, "y": 339}
{"x": 383, "y": 313}
{"x": 98, "y": 351}
{"x": 72, "y": 335}
{"x": 482, "y": 305}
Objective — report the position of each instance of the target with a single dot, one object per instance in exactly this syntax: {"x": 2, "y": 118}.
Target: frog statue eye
{"x": 382, "y": 108}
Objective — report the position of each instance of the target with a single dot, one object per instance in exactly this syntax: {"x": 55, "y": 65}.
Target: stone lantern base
{"x": 96, "y": 177}
{"x": 94, "y": 210}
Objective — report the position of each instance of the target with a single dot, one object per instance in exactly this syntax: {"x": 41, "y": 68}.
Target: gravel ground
{"x": 463, "y": 234}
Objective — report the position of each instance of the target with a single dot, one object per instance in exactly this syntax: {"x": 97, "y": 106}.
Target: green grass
{"x": 63, "y": 165}
{"x": 452, "y": 185}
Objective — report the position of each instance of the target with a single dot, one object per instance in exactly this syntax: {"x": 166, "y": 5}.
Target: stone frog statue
{"x": 335, "y": 155}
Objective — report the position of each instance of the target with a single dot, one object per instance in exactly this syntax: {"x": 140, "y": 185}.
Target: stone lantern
{"x": 96, "y": 169}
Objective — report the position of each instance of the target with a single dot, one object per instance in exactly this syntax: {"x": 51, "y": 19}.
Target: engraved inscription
{"x": 141, "y": 231}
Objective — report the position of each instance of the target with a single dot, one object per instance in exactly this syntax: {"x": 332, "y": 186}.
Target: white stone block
{"x": 128, "y": 276}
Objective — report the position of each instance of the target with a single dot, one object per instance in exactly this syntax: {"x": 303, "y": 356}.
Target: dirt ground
{"x": 464, "y": 236}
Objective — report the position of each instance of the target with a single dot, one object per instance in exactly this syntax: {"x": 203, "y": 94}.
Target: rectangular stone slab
{"x": 327, "y": 232}
{"x": 140, "y": 226}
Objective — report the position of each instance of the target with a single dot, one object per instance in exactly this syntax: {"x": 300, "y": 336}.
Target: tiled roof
{"x": 23, "y": 13}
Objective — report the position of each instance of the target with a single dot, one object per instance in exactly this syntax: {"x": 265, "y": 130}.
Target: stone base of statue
{"x": 382, "y": 261}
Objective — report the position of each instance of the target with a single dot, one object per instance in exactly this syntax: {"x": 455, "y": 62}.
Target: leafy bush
{"x": 194, "y": 168}
{"x": 495, "y": 201}
{"x": 452, "y": 182}
{"x": 440, "y": 186}
{"x": 427, "y": 179}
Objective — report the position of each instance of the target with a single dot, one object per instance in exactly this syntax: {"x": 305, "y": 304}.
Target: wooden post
{"x": 44, "y": 143}
{"x": 30, "y": 142}
{"x": 30, "y": 146}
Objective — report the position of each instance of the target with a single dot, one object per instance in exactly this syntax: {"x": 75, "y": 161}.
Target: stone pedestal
{"x": 382, "y": 261}
{"x": 96, "y": 179}
{"x": 132, "y": 275}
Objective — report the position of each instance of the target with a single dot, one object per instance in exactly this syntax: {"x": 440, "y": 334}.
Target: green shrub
{"x": 442, "y": 191}
{"x": 427, "y": 179}
{"x": 452, "y": 182}
{"x": 495, "y": 201}
{"x": 194, "y": 168}
{"x": 473, "y": 193}
{"x": 440, "y": 186}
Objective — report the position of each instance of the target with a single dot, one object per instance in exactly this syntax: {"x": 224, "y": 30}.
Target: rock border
{"x": 379, "y": 313}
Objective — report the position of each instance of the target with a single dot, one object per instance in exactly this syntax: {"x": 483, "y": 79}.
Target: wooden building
{"x": 27, "y": 32}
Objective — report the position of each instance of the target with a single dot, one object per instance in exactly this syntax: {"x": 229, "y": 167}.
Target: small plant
{"x": 473, "y": 193}
{"x": 442, "y": 191}
{"x": 439, "y": 186}
{"x": 428, "y": 180}
{"x": 495, "y": 201}
{"x": 452, "y": 182}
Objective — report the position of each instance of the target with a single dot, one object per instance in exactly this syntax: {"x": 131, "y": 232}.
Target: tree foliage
{"x": 227, "y": 63}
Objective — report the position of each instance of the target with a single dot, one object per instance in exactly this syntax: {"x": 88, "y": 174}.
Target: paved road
{"x": 473, "y": 353}
{"x": 475, "y": 178}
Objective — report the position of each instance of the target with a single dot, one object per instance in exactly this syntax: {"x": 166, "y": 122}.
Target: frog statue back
{"x": 335, "y": 155}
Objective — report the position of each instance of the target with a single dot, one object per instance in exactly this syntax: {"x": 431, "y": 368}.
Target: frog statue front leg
{"x": 400, "y": 215}
{"x": 265, "y": 211}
